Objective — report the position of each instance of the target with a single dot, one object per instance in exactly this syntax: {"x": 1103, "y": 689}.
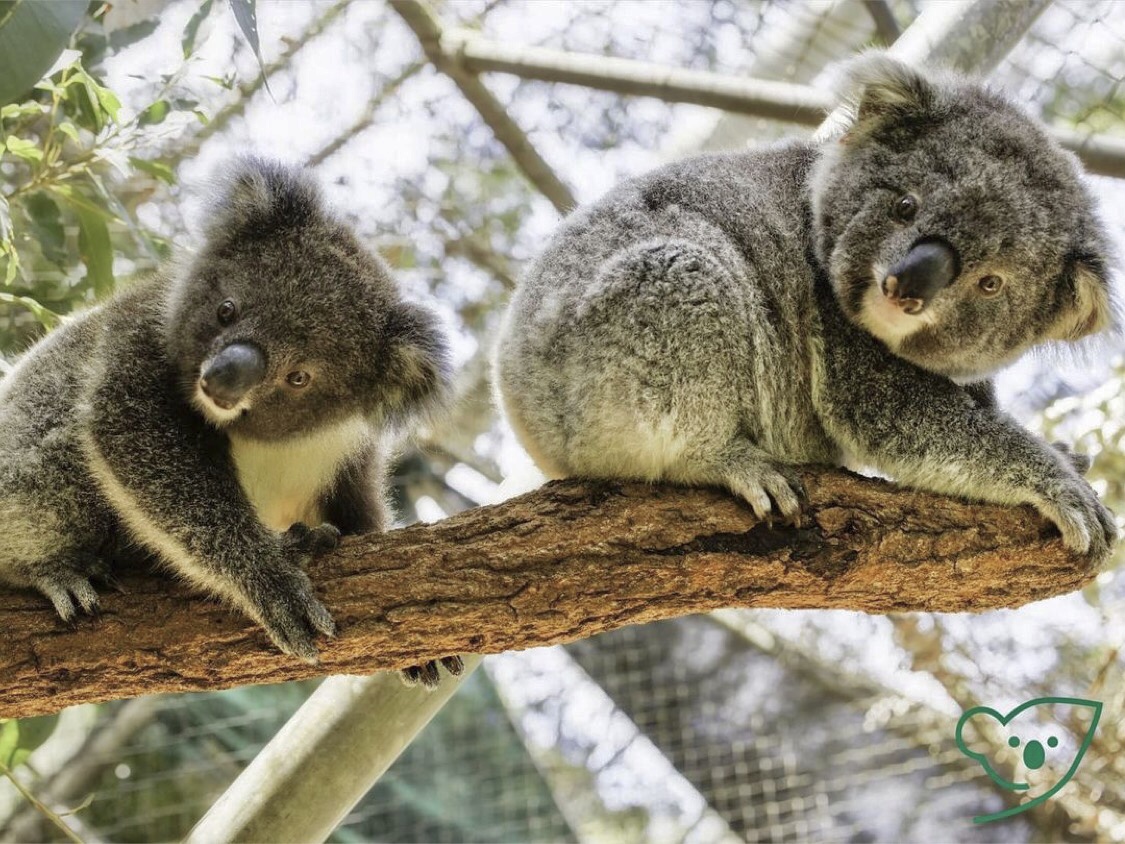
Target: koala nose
{"x": 230, "y": 374}
{"x": 928, "y": 267}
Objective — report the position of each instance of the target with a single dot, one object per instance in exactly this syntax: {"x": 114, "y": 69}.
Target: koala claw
{"x": 765, "y": 486}
{"x": 293, "y": 616}
{"x": 427, "y": 675}
{"x": 454, "y": 665}
{"x": 1086, "y": 525}
{"x": 64, "y": 588}
{"x": 309, "y": 540}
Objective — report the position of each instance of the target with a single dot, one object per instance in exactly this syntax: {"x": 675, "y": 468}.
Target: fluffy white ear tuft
{"x": 874, "y": 86}
{"x": 1088, "y": 307}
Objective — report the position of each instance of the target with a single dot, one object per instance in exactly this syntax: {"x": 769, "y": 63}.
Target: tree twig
{"x": 428, "y": 30}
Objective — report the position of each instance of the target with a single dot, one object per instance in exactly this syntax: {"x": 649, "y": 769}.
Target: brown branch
{"x": 562, "y": 563}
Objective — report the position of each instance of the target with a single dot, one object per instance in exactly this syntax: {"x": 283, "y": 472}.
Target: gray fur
{"x": 108, "y": 444}
{"x": 706, "y": 323}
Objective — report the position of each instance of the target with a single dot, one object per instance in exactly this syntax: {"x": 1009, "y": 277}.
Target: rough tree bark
{"x": 564, "y": 562}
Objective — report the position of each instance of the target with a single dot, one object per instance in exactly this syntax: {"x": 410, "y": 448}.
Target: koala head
{"x": 954, "y": 229}
{"x": 284, "y": 323}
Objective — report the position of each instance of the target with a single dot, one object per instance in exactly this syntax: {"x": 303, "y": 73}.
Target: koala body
{"x": 229, "y": 417}
{"x": 727, "y": 317}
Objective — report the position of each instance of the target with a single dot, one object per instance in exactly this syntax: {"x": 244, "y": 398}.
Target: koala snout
{"x": 929, "y": 266}
{"x": 232, "y": 373}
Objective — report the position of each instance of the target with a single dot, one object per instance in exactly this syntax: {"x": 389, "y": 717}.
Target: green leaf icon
{"x": 1032, "y": 751}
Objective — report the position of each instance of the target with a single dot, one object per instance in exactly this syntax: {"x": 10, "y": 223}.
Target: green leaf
{"x": 9, "y": 741}
{"x": 47, "y": 318}
{"x": 35, "y": 731}
{"x": 96, "y": 249}
{"x": 13, "y": 267}
{"x": 68, "y": 129}
{"x": 16, "y": 110}
{"x": 32, "y": 36}
{"x": 108, "y": 100}
{"x": 27, "y": 150}
{"x": 154, "y": 168}
{"x": 192, "y": 28}
{"x": 45, "y": 224}
{"x": 246, "y": 15}
{"x": 95, "y": 102}
{"x": 121, "y": 38}
{"x": 81, "y": 203}
{"x": 154, "y": 114}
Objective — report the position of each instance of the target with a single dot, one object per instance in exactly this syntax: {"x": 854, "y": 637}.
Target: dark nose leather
{"x": 232, "y": 373}
{"x": 928, "y": 267}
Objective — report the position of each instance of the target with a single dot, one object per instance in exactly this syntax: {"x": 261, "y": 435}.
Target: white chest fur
{"x": 285, "y": 480}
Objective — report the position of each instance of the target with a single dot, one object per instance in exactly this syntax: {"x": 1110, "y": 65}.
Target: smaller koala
{"x": 728, "y": 317}
{"x": 229, "y": 417}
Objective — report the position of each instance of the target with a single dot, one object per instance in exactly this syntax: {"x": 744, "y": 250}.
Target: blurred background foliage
{"x": 751, "y": 726}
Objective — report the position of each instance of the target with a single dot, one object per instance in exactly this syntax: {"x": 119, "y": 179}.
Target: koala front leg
{"x": 927, "y": 432}
{"x": 984, "y": 394}
{"x": 170, "y": 479}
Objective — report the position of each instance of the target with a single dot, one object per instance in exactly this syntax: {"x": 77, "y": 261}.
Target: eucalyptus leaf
{"x": 80, "y": 202}
{"x": 47, "y": 318}
{"x": 154, "y": 114}
{"x": 246, "y": 15}
{"x": 32, "y": 36}
{"x": 9, "y": 741}
{"x": 154, "y": 168}
{"x": 191, "y": 31}
{"x": 45, "y": 224}
{"x": 96, "y": 249}
{"x": 27, "y": 150}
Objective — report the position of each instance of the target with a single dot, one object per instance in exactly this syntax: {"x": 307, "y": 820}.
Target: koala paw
{"x": 66, "y": 583}
{"x": 427, "y": 675}
{"x": 309, "y": 540}
{"x": 285, "y": 605}
{"x": 766, "y": 485}
{"x": 1080, "y": 462}
{"x": 1086, "y": 525}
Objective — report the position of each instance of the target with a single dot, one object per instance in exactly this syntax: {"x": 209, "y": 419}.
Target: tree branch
{"x": 562, "y": 563}
{"x": 469, "y": 54}
{"x": 421, "y": 19}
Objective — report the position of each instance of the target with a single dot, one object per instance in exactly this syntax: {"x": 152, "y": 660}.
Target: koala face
{"x": 953, "y": 228}
{"x": 284, "y": 324}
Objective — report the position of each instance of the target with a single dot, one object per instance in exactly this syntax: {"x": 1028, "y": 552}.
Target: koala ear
{"x": 874, "y": 86}
{"x": 259, "y": 196}
{"x": 1087, "y": 306}
{"x": 416, "y": 365}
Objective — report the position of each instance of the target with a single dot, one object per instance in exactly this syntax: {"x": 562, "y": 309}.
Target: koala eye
{"x": 299, "y": 378}
{"x": 906, "y": 208}
{"x": 1052, "y": 742}
{"x": 990, "y": 285}
{"x": 228, "y": 312}
{"x": 1014, "y": 741}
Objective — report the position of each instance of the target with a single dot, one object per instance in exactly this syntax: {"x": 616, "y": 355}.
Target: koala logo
{"x": 1027, "y": 734}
